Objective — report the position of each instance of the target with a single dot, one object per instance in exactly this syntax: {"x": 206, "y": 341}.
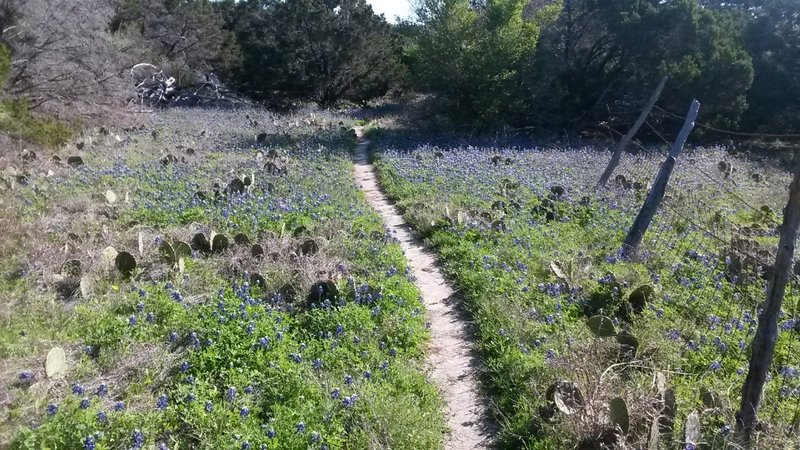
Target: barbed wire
{"x": 729, "y": 132}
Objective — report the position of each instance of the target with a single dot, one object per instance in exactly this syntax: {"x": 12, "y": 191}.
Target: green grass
{"x": 17, "y": 121}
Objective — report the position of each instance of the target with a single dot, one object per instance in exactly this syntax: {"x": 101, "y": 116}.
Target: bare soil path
{"x": 451, "y": 359}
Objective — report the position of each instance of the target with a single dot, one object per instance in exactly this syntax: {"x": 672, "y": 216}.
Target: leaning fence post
{"x": 642, "y": 222}
{"x": 623, "y": 144}
{"x": 763, "y": 349}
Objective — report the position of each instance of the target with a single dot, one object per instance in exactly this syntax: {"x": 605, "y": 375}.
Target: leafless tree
{"x": 63, "y": 59}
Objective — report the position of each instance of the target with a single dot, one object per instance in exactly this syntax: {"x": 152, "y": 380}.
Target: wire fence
{"x": 706, "y": 211}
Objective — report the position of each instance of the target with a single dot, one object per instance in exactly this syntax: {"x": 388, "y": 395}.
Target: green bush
{"x": 16, "y": 120}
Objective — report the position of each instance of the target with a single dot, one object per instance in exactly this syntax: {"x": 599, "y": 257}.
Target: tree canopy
{"x": 540, "y": 64}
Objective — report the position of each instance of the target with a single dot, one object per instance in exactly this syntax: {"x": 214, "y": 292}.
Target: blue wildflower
{"x": 137, "y": 440}
{"x": 230, "y": 394}
{"x": 25, "y": 375}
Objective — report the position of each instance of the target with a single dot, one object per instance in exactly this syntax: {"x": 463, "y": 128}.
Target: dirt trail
{"x": 451, "y": 358}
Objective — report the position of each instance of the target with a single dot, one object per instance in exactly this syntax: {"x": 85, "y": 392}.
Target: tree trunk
{"x": 763, "y": 349}
{"x": 623, "y": 144}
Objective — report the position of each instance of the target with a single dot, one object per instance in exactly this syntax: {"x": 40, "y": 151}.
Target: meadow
{"x": 217, "y": 279}
{"x": 214, "y": 280}
{"x": 581, "y": 346}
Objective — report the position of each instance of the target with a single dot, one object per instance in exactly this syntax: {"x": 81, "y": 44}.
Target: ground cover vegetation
{"x": 578, "y": 341}
{"x": 207, "y": 283}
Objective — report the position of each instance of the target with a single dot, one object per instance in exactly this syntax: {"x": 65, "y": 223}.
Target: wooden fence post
{"x": 763, "y": 349}
{"x": 623, "y": 144}
{"x": 642, "y": 222}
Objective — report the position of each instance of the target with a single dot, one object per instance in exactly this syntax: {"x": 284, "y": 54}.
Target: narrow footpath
{"x": 451, "y": 359}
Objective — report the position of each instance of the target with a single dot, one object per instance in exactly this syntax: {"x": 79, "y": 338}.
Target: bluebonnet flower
{"x": 162, "y": 402}
{"x": 209, "y": 406}
{"x": 550, "y": 353}
{"x": 263, "y": 343}
{"x": 162, "y": 446}
{"x": 89, "y": 443}
{"x": 245, "y": 445}
{"x": 25, "y": 375}
{"x": 137, "y": 440}
{"x": 715, "y": 366}
{"x": 348, "y": 379}
{"x": 85, "y": 403}
{"x": 140, "y": 307}
{"x": 244, "y": 412}
{"x": 194, "y": 340}
{"x": 349, "y": 401}
{"x": 184, "y": 367}
{"x": 230, "y": 394}
{"x": 77, "y": 389}
{"x": 300, "y": 427}
{"x": 119, "y": 406}
{"x": 52, "y": 409}
{"x": 721, "y": 346}
{"x": 271, "y": 433}
{"x": 296, "y": 357}
{"x": 248, "y": 389}
{"x": 190, "y": 398}
{"x": 102, "y": 390}
{"x": 150, "y": 318}
{"x": 317, "y": 364}
{"x": 315, "y": 436}
{"x": 335, "y": 393}
{"x": 102, "y": 417}
{"x": 132, "y": 321}
{"x": 190, "y": 379}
